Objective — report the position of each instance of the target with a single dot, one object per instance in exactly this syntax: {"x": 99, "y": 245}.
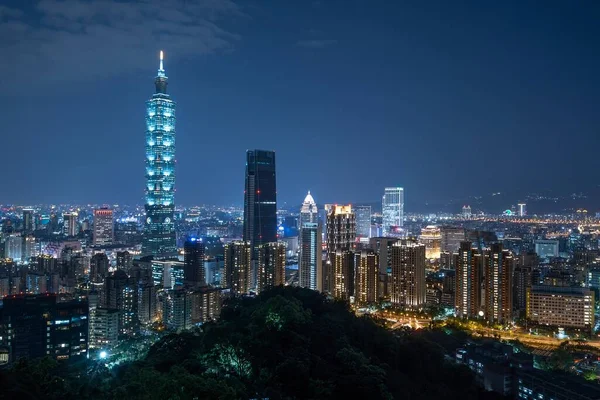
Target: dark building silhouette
{"x": 260, "y": 202}
{"x": 38, "y": 326}
{"x": 193, "y": 260}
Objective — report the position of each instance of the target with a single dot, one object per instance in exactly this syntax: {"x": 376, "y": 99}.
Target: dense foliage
{"x": 288, "y": 343}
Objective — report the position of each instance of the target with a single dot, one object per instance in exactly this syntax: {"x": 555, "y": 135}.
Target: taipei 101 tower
{"x": 159, "y": 228}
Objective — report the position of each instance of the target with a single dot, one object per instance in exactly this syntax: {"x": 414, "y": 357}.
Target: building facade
{"x": 271, "y": 265}
{"x": 408, "y": 274}
{"x": 363, "y": 222}
{"x": 366, "y": 286}
{"x": 568, "y": 307}
{"x": 498, "y": 272}
{"x": 236, "y": 271}
{"x": 159, "y": 228}
{"x": 468, "y": 281}
{"x": 341, "y": 236}
{"x": 104, "y": 227}
{"x": 193, "y": 260}
{"x": 393, "y": 210}
{"x": 260, "y": 203}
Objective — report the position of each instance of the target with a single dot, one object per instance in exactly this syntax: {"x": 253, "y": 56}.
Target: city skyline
{"x": 478, "y": 84}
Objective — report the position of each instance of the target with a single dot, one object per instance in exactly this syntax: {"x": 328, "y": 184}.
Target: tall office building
{"x": 193, "y": 259}
{"x": 393, "y": 210}
{"x": 522, "y": 211}
{"x": 159, "y": 230}
{"x": 70, "y": 227}
{"x": 407, "y": 286}
{"x": 271, "y": 265}
{"x": 366, "y": 286}
{"x": 29, "y": 248}
{"x": 468, "y": 281}
{"x": 451, "y": 238}
{"x": 236, "y": 271}
{"x": 260, "y": 203}
{"x": 28, "y": 222}
{"x": 310, "y": 268}
{"x": 308, "y": 212}
{"x": 310, "y": 264}
{"x": 363, "y": 222}
{"x": 498, "y": 273}
{"x": 341, "y": 235}
{"x": 104, "y": 227}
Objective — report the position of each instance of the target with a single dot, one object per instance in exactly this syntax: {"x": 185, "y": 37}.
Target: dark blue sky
{"x": 444, "y": 98}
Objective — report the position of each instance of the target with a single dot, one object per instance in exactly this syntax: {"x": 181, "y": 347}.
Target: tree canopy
{"x": 287, "y": 343}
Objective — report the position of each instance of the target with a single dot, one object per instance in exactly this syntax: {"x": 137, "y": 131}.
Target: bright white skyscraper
{"x": 310, "y": 266}
{"x": 393, "y": 210}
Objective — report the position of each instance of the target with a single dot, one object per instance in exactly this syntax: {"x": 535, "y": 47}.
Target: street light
{"x": 103, "y": 354}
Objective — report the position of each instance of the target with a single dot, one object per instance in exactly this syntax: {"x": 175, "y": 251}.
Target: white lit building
{"x": 393, "y": 210}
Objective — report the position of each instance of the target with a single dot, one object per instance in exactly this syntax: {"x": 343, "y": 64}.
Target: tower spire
{"x": 161, "y": 62}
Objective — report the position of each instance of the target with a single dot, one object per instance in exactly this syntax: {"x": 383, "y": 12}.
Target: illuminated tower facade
{"x": 392, "y": 207}
{"x": 159, "y": 232}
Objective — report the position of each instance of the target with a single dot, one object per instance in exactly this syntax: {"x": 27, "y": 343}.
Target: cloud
{"x": 78, "y": 40}
{"x": 316, "y": 43}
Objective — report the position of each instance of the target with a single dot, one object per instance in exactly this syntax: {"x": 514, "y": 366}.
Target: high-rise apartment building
{"x": 393, "y": 210}
{"x": 310, "y": 264}
{"x": 271, "y": 265}
{"x": 147, "y": 306}
{"x": 363, "y": 222}
{"x": 407, "y": 283}
{"x": 193, "y": 259}
{"x": 28, "y": 220}
{"x": 120, "y": 292}
{"x": 341, "y": 235}
{"x": 260, "y": 202}
{"x": 70, "y": 225}
{"x": 366, "y": 279}
{"x": 498, "y": 273}
{"x": 468, "y": 281}
{"x": 159, "y": 229}
{"x": 236, "y": 271}
{"x": 342, "y": 282}
{"x": 177, "y": 313}
{"x": 104, "y": 227}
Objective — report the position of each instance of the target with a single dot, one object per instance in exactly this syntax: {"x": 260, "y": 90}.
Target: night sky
{"x": 445, "y": 98}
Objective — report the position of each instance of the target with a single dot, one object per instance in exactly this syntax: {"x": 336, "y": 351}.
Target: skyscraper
{"x": 363, "y": 222}
{"x": 367, "y": 277}
{"x": 193, "y": 259}
{"x": 70, "y": 223}
{"x": 522, "y": 209}
{"x": 104, "y": 227}
{"x": 342, "y": 284}
{"x": 310, "y": 263}
{"x": 408, "y": 274}
{"x": 451, "y": 238}
{"x": 432, "y": 239}
{"x": 468, "y": 281}
{"x": 498, "y": 284}
{"x": 159, "y": 232}
{"x": 260, "y": 202}
{"x": 392, "y": 208}
{"x": 28, "y": 224}
{"x": 341, "y": 235}
{"x": 271, "y": 265}
{"x": 236, "y": 271}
